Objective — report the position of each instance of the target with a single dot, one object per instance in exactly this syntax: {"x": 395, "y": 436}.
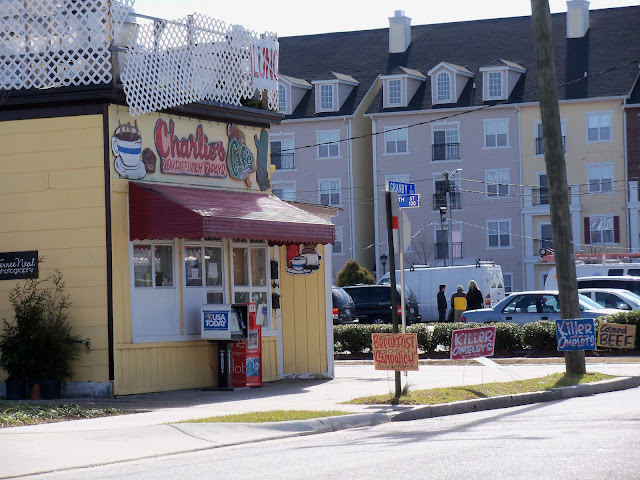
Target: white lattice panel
{"x": 52, "y": 43}
{"x": 173, "y": 63}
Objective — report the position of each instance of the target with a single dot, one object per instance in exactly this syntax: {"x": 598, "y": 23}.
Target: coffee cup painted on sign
{"x": 298, "y": 263}
{"x": 127, "y": 144}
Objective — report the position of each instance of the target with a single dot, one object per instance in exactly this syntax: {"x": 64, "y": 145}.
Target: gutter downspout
{"x": 352, "y": 226}
{"x": 522, "y": 224}
{"x": 375, "y": 195}
{"x": 626, "y": 172}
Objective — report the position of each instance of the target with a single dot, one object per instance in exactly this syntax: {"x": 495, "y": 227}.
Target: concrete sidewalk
{"x": 58, "y": 446}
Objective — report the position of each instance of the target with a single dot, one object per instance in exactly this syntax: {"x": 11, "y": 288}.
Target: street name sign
{"x": 409, "y": 201}
{"x": 401, "y": 188}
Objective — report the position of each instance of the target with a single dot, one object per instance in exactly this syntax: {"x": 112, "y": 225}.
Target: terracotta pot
{"x": 36, "y": 391}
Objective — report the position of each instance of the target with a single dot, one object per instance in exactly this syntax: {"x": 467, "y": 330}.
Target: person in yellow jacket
{"x": 458, "y": 303}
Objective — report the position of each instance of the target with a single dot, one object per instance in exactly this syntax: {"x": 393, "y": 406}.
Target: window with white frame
{"x": 443, "y": 85}
{"x": 152, "y": 265}
{"x": 396, "y": 140}
{"x": 601, "y": 229}
{"x": 395, "y": 91}
{"x": 440, "y": 195}
{"x": 498, "y": 233}
{"x": 497, "y": 182}
{"x": 599, "y": 127}
{"x": 540, "y": 138}
{"x": 446, "y": 143}
{"x": 545, "y": 237}
{"x": 508, "y": 282}
{"x": 328, "y": 143}
{"x": 442, "y": 247}
{"x": 496, "y": 133}
{"x": 326, "y": 97}
{"x": 203, "y": 268}
{"x": 337, "y": 246}
{"x": 250, "y": 282}
{"x": 282, "y": 98}
{"x": 284, "y": 190}
{"x": 495, "y": 84}
{"x": 283, "y": 154}
{"x": 600, "y": 177}
{"x": 329, "y": 191}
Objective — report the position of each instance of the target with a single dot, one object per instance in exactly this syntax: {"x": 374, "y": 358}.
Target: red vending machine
{"x": 246, "y": 354}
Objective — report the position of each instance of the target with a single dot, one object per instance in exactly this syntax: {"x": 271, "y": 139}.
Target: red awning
{"x": 170, "y": 211}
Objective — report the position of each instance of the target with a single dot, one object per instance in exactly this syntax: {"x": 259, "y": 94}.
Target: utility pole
{"x": 392, "y": 275}
{"x": 556, "y": 176}
{"x": 447, "y": 185}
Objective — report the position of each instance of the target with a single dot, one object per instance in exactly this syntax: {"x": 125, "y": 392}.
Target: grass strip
{"x": 15, "y": 414}
{"x": 270, "y": 416}
{"x": 437, "y": 396}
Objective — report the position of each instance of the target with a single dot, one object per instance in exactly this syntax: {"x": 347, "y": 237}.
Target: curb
{"x": 561, "y": 393}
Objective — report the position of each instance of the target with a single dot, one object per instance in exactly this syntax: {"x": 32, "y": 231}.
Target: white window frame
{"x": 333, "y": 188}
{"x": 496, "y": 124}
{"x": 288, "y": 188}
{"x": 328, "y": 141}
{"x": 153, "y": 244}
{"x": 340, "y": 241}
{"x": 539, "y": 135}
{"x": 267, "y": 323}
{"x": 499, "y": 222}
{"x": 491, "y": 76}
{"x": 395, "y": 136}
{"x": 497, "y": 183}
{"x": 596, "y": 122}
{"x": 450, "y": 130}
{"x": 326, "y": 97}
{"x": 288, "y": 139}
{"x": 282, "y": 98}
{"x": 600, "y": 222}
{"x": 600, "y": 172}
{"x": 394, "y": 93}
{"x": 508, "y": 275}
{"x": 443, "y": 89}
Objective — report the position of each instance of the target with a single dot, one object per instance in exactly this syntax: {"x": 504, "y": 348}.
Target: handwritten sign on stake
{"x": 471, "y": 343}
{"x": 395, "y": 351}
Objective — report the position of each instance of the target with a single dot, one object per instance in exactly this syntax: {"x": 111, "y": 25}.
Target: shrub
{"x": 356, "y": 338}
{"x": 425, "y": 343}
{"x": 540, "y": 335}
{"x": 442, "y": 332}
{"x": 353, "y": 274}
{"x": 508, "y": 336}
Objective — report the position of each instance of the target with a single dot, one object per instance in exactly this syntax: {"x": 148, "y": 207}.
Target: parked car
{"x": 625, "y": 282}
{"x": 344, "y": 310}
{"x": 373, "y": 304}
{"x": 526, "y": 307}
{"x": 613, "y": 298}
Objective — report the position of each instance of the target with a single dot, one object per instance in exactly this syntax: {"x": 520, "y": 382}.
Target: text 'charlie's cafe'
{"x": 183, "y": 269}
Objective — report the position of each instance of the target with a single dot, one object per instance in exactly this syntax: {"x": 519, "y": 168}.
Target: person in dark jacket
{"x": 475, "y": 300}
{"x": 442, "y": 304}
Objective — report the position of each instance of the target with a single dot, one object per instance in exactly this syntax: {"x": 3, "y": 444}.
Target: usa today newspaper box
{"x": 239, "y": 338}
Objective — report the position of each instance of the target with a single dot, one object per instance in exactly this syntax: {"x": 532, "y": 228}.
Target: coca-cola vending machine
{"x": 246, "y": 354}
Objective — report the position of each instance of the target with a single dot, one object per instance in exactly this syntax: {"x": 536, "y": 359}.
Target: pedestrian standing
{"x": 442, "y": 304}
{"x": 474, "y": 296}
{"x": 458, "y": 303}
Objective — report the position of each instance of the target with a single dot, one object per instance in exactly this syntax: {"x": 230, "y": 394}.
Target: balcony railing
{"x": 283, "y": 161}
{"x": 446, "y": 151}
{"x": 540, "y": 145}
{"x": 440, "y": 200}
{"x": 540, "y": 243}
{"x": 442, "y": 250}
{"x": 540, "y": 196}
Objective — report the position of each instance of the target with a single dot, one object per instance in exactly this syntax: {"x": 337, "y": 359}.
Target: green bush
{"x": 508, "y": 336}
{"x": 425, "y": 343}
{"x": 353, "y": 274}
{"x": 442, "y": 332}
{"x": 540, "y": 335}
{"x": 356, "y": 338}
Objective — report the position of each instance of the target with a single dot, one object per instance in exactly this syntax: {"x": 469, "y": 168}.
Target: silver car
{"x": 533, "y": 306}
{"x": 613, "y": 297}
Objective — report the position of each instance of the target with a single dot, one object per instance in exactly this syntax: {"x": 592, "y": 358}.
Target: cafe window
{"x": 152, "y": 265}
{"x": 250, "y": 279}
{"x": 203, "y": 267}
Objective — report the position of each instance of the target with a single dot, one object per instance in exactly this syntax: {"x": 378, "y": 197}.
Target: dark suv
{"x": 344, "y": 310}
{"x": 373, "y": 303}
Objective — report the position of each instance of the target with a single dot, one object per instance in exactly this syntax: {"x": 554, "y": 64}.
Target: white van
{"x": 424, "y": 282}
{"x": 595, "y": 270}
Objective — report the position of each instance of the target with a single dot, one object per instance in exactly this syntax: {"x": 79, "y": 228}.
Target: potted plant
{"x": 38, "y": 345}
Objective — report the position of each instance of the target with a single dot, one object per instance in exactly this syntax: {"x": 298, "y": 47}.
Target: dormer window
{"x": 282, "y": 99}
{"x": 495, "y": 84}
{"x": 395, "y": 91}
{"x": 444, "y": 87}
{"x": 499, "y": 79}
{"x": 326, "y": 97}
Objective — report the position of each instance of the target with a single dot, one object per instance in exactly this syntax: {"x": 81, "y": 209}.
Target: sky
{"x": 296, "y": 17}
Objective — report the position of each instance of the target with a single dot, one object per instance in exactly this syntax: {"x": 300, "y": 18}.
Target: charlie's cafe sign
{"x": 196, "y": 154}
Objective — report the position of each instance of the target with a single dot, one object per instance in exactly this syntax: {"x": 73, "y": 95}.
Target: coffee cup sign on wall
{"x": 302, "y": 261}
{"x": 126, "y": 145}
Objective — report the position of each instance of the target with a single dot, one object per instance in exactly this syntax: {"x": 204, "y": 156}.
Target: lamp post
{"x": 448, "y": 176}
{"x": 443, "y": 216}
{"x": 383, "y": 261}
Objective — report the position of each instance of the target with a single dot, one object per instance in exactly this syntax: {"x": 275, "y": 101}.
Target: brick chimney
{"x": 577, "y": 18}
{"x": 399, "y": 32}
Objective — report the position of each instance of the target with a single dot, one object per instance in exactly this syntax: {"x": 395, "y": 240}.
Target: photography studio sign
{"x": 17, "y": 265}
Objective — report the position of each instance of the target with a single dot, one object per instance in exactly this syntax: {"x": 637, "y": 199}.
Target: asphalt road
{"x": 592, "y": 437}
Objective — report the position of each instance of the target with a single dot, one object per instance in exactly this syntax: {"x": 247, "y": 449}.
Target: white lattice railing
{"x": 53, "y": 43}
